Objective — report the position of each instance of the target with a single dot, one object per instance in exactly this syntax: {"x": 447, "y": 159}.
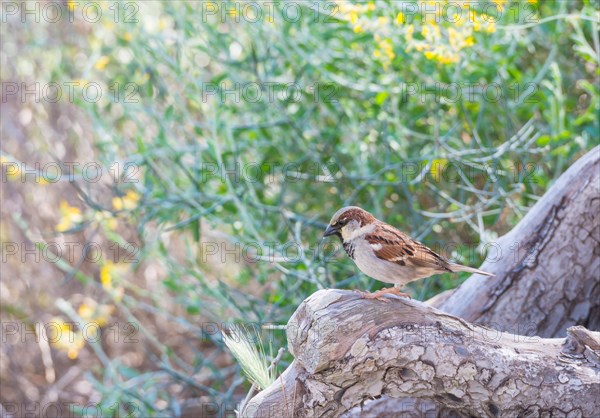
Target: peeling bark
{"x": 349, "y": 350}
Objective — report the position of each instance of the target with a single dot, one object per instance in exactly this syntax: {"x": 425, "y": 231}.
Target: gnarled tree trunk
{"x": 348, "y": 350}
{"x": 356, "y": 357}
{"x": 547, "y": 268}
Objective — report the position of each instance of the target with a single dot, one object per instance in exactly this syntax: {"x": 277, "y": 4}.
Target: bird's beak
{"x": 331, "y": 230}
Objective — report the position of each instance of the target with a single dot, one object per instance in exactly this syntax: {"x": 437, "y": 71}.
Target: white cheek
{"x": 351, "y": 231}
{"x": 345, "y": 232}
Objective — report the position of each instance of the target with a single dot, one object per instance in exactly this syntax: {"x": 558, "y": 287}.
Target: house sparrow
{"x": 386, "y": 254}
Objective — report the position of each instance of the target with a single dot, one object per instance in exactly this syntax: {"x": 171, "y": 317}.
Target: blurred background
{"x": 168, "y": 169}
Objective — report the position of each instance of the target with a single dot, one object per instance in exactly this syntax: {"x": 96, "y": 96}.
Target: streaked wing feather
{"x": 427, "y": 258}
{"x": 393, "y": 245}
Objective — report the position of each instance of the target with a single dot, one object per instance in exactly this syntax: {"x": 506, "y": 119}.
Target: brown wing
{"x": 399, "y": 248}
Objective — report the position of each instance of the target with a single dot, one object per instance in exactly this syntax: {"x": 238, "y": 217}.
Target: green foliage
{"x": 337, "y": 123}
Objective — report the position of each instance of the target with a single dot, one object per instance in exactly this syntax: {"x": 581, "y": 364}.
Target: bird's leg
{"x": 379, "y": 294}
{"x": 398, "y": 288}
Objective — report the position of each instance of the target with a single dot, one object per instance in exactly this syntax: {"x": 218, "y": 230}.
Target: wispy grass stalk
{"x": 251, "y": 356}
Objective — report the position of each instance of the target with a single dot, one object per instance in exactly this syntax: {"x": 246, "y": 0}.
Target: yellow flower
{"x": 112, "y": 224}
{"x": 387, "y": 48}
{"x": 127, "y": 37}
{"x": 442, "y": 40}
{"x": 106, "y": 272}
{"x": 351, "y": 12}
{"x": 437, "y": 167}
{"x": 162, "y": 23}
{"x": 353, "y": 17}
{"x": 86, "y": 311}
{"x": 212, "y": 4}
{"x": 70, "y": 217}
{"x": 482, "y": 22}
{"x": 500, "y": 3}
{"x": 92, "y": 312}
{"x": 128, "y": 202}
{"x": 430, "y": 55}
{"x": 472, "y": 16}
{"x": 382, "y": 20}
{"x": 63, "y": 337}
{"x": 71, "y": 5}
{"x": 102, "y": 63}
{"x": 410, "y": 30}
{"x": 448, "y": 58}
{"x": 453, "y": 37}
{"x": 107, "y": 219}
{"x": 108, "y": 24}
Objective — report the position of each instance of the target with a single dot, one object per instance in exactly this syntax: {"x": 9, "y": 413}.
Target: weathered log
{"x": 547, "y": 267}
{"x": 349, "y": 350}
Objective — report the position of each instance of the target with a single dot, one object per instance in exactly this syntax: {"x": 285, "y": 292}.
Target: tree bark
{"x": 366, "y": 358}
{"x": 349, "y": 350}
{"x": 547, "y": 268}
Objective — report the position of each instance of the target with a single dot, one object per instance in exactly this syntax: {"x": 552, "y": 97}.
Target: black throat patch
{"x": 349, "y": 248}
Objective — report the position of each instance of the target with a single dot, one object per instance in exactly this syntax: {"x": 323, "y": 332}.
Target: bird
{"x": 384, "y": 253}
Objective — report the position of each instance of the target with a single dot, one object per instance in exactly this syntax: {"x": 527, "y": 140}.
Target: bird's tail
{"x": 459, "y": 267}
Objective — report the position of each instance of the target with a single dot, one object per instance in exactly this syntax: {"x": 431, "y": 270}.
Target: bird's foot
{"x": 379, "y": 294}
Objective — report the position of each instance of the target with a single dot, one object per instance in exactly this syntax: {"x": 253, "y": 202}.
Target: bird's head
{"x": 346, "y": 221}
